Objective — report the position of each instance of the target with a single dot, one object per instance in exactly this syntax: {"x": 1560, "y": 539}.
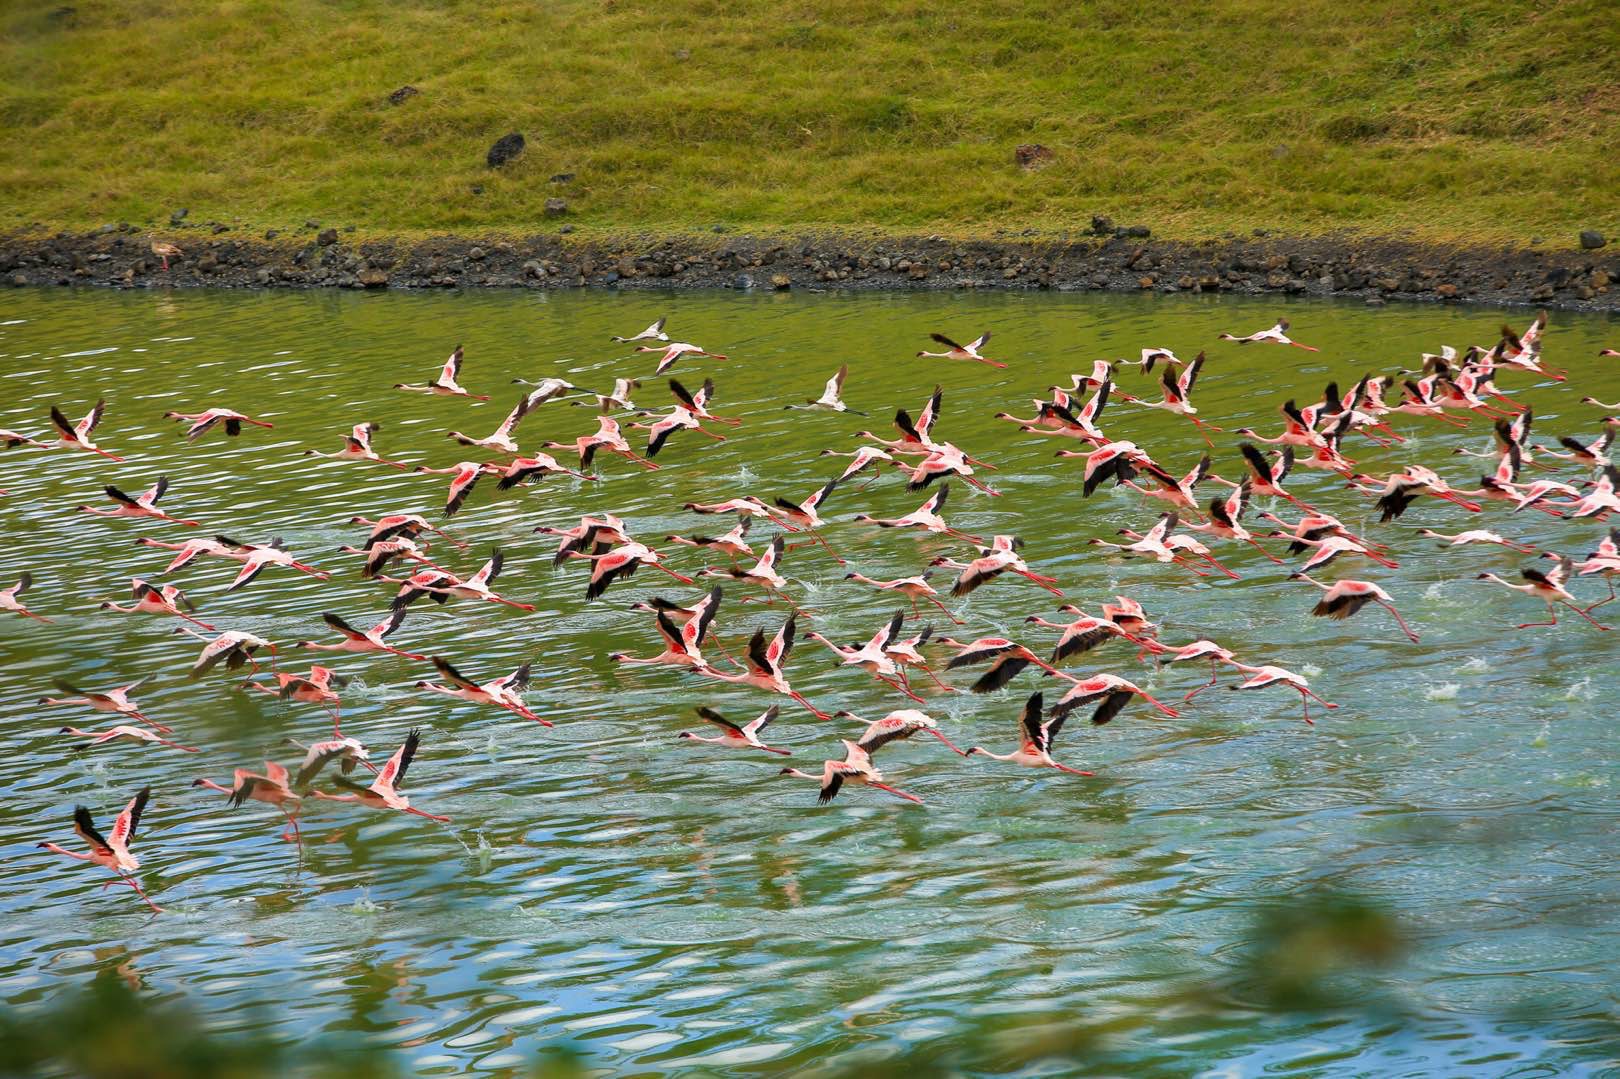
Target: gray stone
{"x": 565, "y": 230}
{"x": 556, "y": 207}
{"x": 743, "y": 281}
{"x": 373, "y": 278}
{"x": 178, "y": 216}
{"x": 402, "y": 95}
{"x": 476, "y": 254}
{"x": 271, "y": 234}
{"x": 327, "y": 237}
{"x": 507, "y": 148}
{"x": 1592, "y": 239}
{"x": 562, "y": 178}
{"x": 1140, "y": 232}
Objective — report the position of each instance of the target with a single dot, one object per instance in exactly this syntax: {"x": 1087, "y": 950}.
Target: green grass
{"x": 1471, "y": 121}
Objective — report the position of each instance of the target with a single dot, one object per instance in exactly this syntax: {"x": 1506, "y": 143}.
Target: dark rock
{"x": 1537, "y": 241}
{"x": 683, "y": 55}
{"x": 556, "y": 207}
{"x": 781, "y": 281}
{"x": 208, "y": 263}
{"x": 221, "y": 228}
{"x": 402, "y": 95}
{"x": 562, "y": 178}
{"x": 373, "y": 278}
{"x": 348, "y": 228}
{"x": 505, "y": 149}
{"x": 719, "y": 228}
{"x": 1140, "y": 232}
{"x": 327, "y": 237}
{"x": 532, "y": 268}
{"x": 611, "y": 277}
{"x": 1032, "y": 156}
{"x": 565, "y": 230}
{"x": 477, "y": 189}
{"x": 1591, "y": 240}
{"x": 180, "y": 215}
{"x": 476, "y": 254}
{"x": 271, "y": 234}
{"x": 1100, "y": 225}
{"x": 743, "y": 281}
{"x": 262, "y": 277}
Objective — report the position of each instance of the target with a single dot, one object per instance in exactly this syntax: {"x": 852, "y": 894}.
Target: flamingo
{"x": 1475, "y": 535}
{"x": 1006, "y": 658}
{"x": 1266, "y": 477}
{"x": 1058, "y": 417}
{"x": 142, "y": 505}
{"x": 1226, "y": 518}
{"x": 11, "y": 440}
{"x": 519, "y": 471}
{"x": 698, "y": 403}
{"x": 906, "y": 651}
{"x": 766, "y": 663}
{"x": 1594, "y": 454}
{"x": 1182, "y": 492}
{"x": 682, "y": 644}
{"x": 477, "y": 586}
{"x": 622, "y": 561}
{"x": 619, "y": 397}
{"x": 1178, "y": 396}
{"x": 607, "y": 437}
{"x": 384, "y": 791}
{"x": 1109, "y": 693}
{"x": 873, "y": 657}
{"x": 675, "y": 351}
{"x": 856, "y": 767}
{"x": 9, "y": 601}
{"x": 913, "y": 588}
{"x": 655, "y": 332}
{"x": 1082, "y": 634}
{"x": 1402, "y": 488}
{"x": 272, "y": 787}
{"x": 1261, "y": 677}
{"x": 347, "y": 752}
{"x": 897, "y": 726}
{"x": 865, "y": 457}
{"x": 465, "y": 476}
{"x": 733, "y": 543}
{"x": 320, "y": 686}
{"x": 802, "y": 516}
{"x": 355, "y": 640}
{"x": 380, "y": 554}
{"x": 116, "y": 701}
{"x": 150, "y": 600}
{"x": 1202, "y": 648}
{"x": 994, "y": 560}
{"x": 969, "y": 351}
{"x": 831, "y": 397}
{"x": 505, "y": 692}
{"x": 1035, "y": 740}
{"x": 1152, "y": 545}
{"x": 357, "y": 447}
{"x": 401, "y": 525}
{"x": 234, "y": 648}
{"x": 915, "y": 438}
{"x": 256, "y": 556}
{"x": 945, "y": 460}
{"x": 1117, "y": 461}
{"x": 446, "y": 385}
{"x": 734, "y": 737}
{"x": 762, "y": 573}
{"x": 925, "y": 517}
{"x": 200, "y": 423}
{"x": 76, "y": 436}
{"x": 1604, "y": 560}
{"x": 591, "y": 530}
{"x": 1277, "y": 335}
{"x": 1549, "y": 587}
{"x": 122, "y": 733}
{"x": 112, "y": 852}
{"x": 1341, "y": 599}
{"x": 679, "y": 419}
{"x": 501, "y": 440}
{"x": 745, "y": 506}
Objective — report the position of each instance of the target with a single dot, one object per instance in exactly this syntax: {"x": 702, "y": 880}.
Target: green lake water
{"x": 1422, "y": 883}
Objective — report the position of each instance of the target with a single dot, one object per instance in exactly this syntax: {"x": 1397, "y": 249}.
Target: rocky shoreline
{"x": 1105, "y": 258}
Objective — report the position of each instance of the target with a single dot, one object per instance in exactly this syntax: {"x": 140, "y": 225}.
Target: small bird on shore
{"x": 164, "y": 250}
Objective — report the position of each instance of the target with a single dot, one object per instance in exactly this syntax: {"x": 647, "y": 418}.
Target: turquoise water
{"x": 1421, "y": 883}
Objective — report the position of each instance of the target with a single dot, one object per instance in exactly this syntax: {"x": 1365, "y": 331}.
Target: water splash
{"x": 1474, "y": 665}
{"x": 1444, "y": 691}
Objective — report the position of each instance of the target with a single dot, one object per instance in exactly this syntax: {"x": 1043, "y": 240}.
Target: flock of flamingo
{"x": 397, "y": 550}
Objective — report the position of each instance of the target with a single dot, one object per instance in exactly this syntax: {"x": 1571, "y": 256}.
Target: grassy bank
{"x": 1475, "y": 121}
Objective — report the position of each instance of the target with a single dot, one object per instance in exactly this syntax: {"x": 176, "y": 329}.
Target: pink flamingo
{"x": 505, "y": 692}
{"x": 142, "y": 505}
{"x": 271, "y": 788}
{"x": 203, "y": 422}
{"x": 122, "y": 733}
{"x": 1035, "y": 740}
{"x": 1109, "y": 693}
{"x": 111, "y": 852}
{"x": 10, "y": 602}
{"x": 357, "y": 447}
{"x": 969, "y": 351}
{"x": 1277, "y": 335}
{"x": 384, "y": 792}
{"x": 76, "y": 436}
{"x": 446, "y": 384}
{"x": 150, "y": 600}
{"x": 1549, "y": 587}
{"x": 1341, "y": 599}
{"x": 734, "y": 737}
{"x": 856, "y": 767}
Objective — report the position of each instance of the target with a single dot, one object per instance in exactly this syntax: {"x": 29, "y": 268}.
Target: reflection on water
{"x": 1431, "y": 863}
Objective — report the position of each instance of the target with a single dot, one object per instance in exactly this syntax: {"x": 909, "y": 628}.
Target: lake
{"x": 1423, "y": 882}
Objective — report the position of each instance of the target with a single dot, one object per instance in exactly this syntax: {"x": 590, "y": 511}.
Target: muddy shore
{"x": 1564, "y": 276}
